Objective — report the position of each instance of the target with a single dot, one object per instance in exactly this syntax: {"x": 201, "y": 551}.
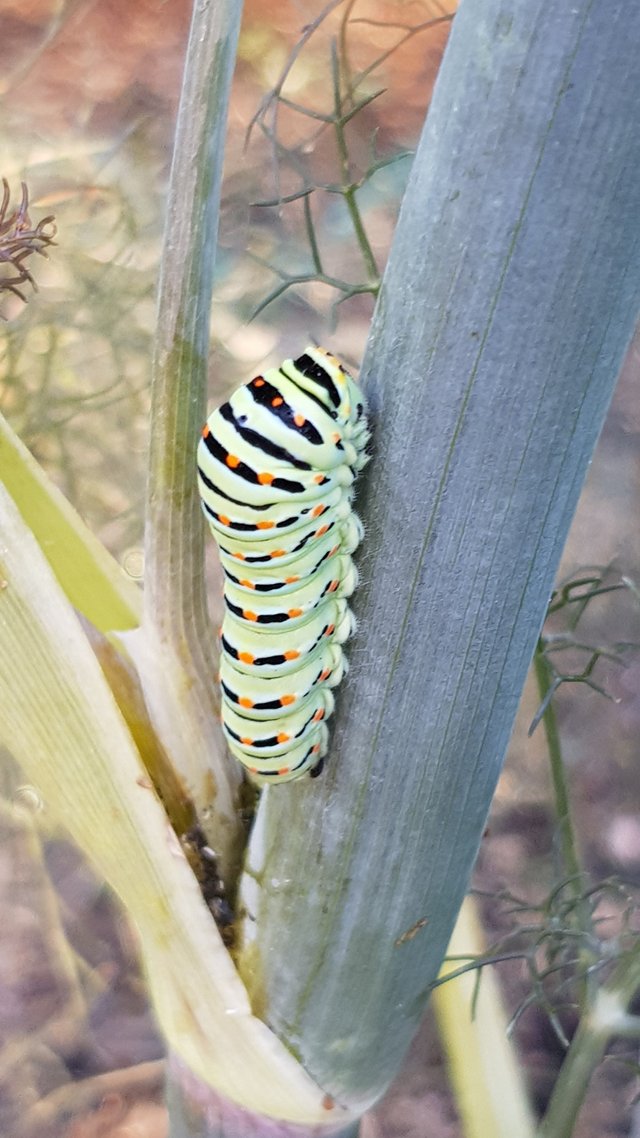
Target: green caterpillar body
{"x": 276, "y": 471}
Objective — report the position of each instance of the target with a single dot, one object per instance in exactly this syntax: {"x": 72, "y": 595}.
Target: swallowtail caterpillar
{"x": 276, "y": 471}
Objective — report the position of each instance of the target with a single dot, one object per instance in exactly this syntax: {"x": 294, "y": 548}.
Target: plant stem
{"x": 198, "y": 1111}
{"x": 174, "y": 588}
{"x": 176, "y": 660}
{"x": 605, "y": 1018}
{"x": 354, "y": 881}
{"x": 311, "y": 234}
{"x": 348, "y": 189}
{"x": 568, "y": 844}
{"x": 571, "y": 863}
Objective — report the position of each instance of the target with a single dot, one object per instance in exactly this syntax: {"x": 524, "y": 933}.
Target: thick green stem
{"x": 508, "y": 303}
{"x": 607, "y": 1017}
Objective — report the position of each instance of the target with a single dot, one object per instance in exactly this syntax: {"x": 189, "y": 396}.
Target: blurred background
{"x": 88, "y": 99}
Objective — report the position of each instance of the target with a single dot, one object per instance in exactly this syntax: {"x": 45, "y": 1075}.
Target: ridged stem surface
{"x": 508, "y": 302}
{"x": 176, "y": 658}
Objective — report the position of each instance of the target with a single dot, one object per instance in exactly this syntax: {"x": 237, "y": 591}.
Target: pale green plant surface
{"x": 61, "y": 723}
{"x": 487, "y": 1078}
{"x": 93, "y": 582}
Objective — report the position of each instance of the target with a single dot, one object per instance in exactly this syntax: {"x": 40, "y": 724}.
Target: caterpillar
{"x": 276, "y": 471}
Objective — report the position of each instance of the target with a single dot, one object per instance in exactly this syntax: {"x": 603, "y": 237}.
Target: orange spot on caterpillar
{"x": 290, "y": 580}
{"x": 258, "y": 381}
{"x": 330, "y": 630}
{"x": 319, "y": 715}
{"x": 320, "y": 531}
{"x": 265, "y": 479}
{"x": 245, "y": 702}
{"x": 277, "y": 402}
{"x": 246, "y": 657}
{"x": 315, "y": 749}
{"x": 319, "y": 478}
{"x": 328, "y": 1103}
{"x": 265, "y": 525}
{"x": 333, "y": 586}
{"x": 246, "y": 742}
{"x": 278, "y": 553}
{"x": 283, "y": 770}
{"x": 247, "y": 584}
{"x": 299, "y": 420}
{"x": 224, "y": 520}
{"x": 332, "y": 552}
{"x": 317, "y": 510}
{"x": 295, "y": 612}
{"x": 285, "y": 700}
{"x": 291, "y": 654}
{"x": 232, "y": 460}
{"x": 335, "y": 438}
{"x": 283, "y": 737}
{"x": 248, "y": 615}
{"x": 324, "y": 675}
{"x": 240, "y": 556}
{"x": 205, "y": 431}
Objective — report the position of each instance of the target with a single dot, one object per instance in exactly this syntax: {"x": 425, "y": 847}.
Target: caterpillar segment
{"x": 276, "y": 471}
{"x": 270, "y": 696}
{"x": 294, "y": 606}
{"x": 271, "y": 655}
